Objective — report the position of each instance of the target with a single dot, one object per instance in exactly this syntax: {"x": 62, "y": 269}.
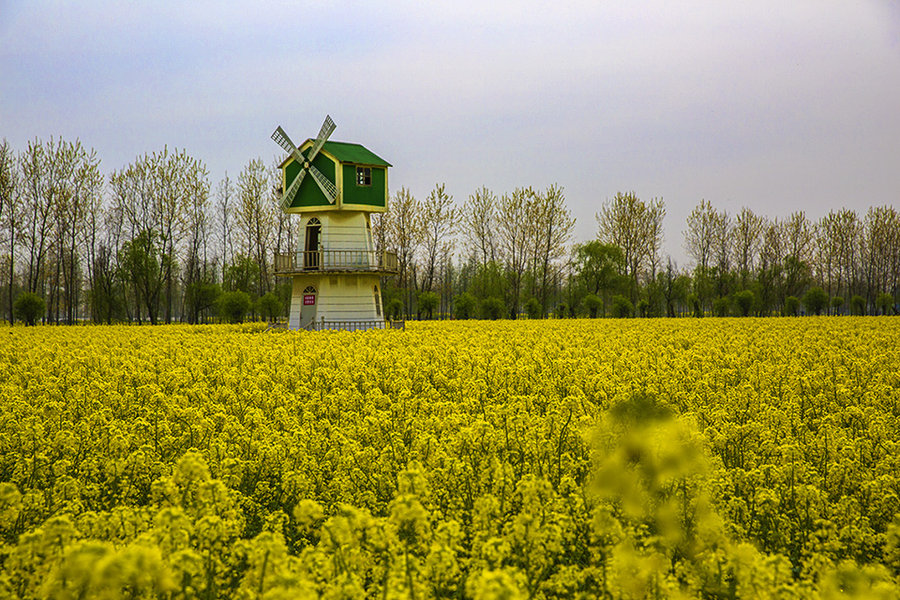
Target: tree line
{"x": 514, "y": 256}
{"x": 156, "y": 242}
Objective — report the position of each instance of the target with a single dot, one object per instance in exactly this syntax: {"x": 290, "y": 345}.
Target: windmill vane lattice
{"x": 336, "y": 271}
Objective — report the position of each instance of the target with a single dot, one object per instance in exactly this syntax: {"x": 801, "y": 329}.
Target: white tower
{"x": 336, "y": 269}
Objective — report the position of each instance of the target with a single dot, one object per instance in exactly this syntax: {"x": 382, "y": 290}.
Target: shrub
{"x": 858, "y": 305}
{"x": 464, "y": 305}
{"x": 694, "y": 301}
{"x": 622, "y": 307}
{"x": 592, "y": 303}
{"x": 395, "y": 309}
{"x": 199, "y": 296}
{"x": 643, "y": 308}
{"x": 534, "y": 309}
{"x": 815, "y": 300}
{"x": 270, "y": 306}
{"x": 491, "y": 308}
{"x": 743, "y": 302}
{"x": 791, "y": 306}
{"x": 428, "y": 301}
{"x": 836, "y": 303}
{"x": 233, "y": 306}
{"x": 885, "y": 303}
{"x": 561, "y": 311}
{"x": 29, "y": 307}
{"x": 720, "y": 306}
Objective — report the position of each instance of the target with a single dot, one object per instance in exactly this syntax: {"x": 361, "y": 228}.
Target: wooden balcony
{"x": 336, "y": 261}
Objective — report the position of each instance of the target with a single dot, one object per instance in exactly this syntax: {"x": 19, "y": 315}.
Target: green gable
{"x": 354, "y": 153}
{"x": 349, "y": 157}
{"x": 369, "y": 195}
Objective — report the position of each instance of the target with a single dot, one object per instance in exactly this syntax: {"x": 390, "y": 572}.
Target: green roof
{"x": 354, "y": 153}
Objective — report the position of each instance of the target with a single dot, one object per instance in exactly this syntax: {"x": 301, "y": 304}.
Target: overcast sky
{"x": 778, "y": 106}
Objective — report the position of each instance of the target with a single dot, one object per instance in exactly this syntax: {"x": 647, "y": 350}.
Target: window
{"x": 363, "y": 176}
{"x": 377, "y": 302}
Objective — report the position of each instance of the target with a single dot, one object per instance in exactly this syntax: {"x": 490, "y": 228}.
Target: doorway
{"x": 312, "y": 253}
{"x": 308, "y": 308}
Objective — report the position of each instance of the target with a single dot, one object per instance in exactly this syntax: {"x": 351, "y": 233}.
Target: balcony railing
{"x": 324, "y": 325}
{"x": 330, "y": 261}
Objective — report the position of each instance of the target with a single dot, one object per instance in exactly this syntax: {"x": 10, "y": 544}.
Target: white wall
{"x": 341, "y": 297}
{"x": 341, "y": 230}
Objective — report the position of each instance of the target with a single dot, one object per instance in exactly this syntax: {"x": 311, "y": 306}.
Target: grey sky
{"x": 778, "y": 106}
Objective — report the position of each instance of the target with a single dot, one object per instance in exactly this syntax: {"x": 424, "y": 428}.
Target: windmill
{"x": 336, "y": 269}
{"x": 328, "y": 189}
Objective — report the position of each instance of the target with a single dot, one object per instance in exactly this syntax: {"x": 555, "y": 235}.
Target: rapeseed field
{"x": 704, "y": 458}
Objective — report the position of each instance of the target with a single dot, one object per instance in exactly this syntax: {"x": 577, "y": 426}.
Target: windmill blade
{"x": 324, "y": 184}
{"x": 282, "y": 139}
{"x": 327, "y": 128}
{"x": 289, "y": 194}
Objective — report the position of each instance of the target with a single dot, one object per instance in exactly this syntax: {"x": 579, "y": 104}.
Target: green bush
{"x": 270, "y": 306}
{"x": 643, "y": 307}
{"x": 234, "y": 306}
{"x": 592, "y": 303}
{"x": 491, "y": 308}
{"x": 694, "y": 302}
{"x": 885, "y": 303}
{"x": 858, "y": 305}
{"x": 837, "y": 303}
{"x": 428, "y": 301}
{"x": 720, "y": 306}
{"x": 199, "y": 296}
{"x": 815, "y": 300}
{"x": 791, "y": 306}
{"x": 464, "y": 305}
{"x": 743, "y": 302}
{"x": 29, "y": 307}
{"x": 534, "y": 309}
{"x": 561, "y": 310}
{"x": 395, "y": 309}
{"x": 622, "y": 307}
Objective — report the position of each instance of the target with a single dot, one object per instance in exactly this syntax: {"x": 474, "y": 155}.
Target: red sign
{"x": 309, "y": 299}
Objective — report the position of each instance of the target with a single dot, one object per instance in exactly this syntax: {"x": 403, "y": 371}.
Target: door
{"x": 308, "y": 307}
{"x": 312, "y": 254}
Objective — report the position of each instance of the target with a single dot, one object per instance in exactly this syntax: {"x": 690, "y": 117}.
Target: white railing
{"x": 355, "y": 325}
{"x": 336, "y": 260}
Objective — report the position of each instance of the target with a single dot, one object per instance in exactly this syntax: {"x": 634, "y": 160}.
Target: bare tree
{"x": 513, "y": 232}
{"x": 698, "y": 237}
{"x": 479, "y": 223}
{"x": 721, "y": 240}
{"x": 255, "y": 216}
{"x": 439, "y": 221}
{"x": 404, "y": 230}
{"x": 40, "y": 175}
{"x": 194, "y": 224}
{"x": 285, "y": 225}
{"x": 553, "y": 226}
{"x": 378, "y": 222}
{"x": 880, "y": 247}
{"x": 635, "y": 227}
{"x": 10, "y": 217}
{"x": 225, "y": 222}
{"x": 799, "y": 235}
{"x": 838, "y": 248}
{"x": 146, "y": 196}
{"x": 747, "y": 240}
{"x": 84, "y": 197}
{"x": 654, "y": 226}
{"x": 176, "y": 177}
